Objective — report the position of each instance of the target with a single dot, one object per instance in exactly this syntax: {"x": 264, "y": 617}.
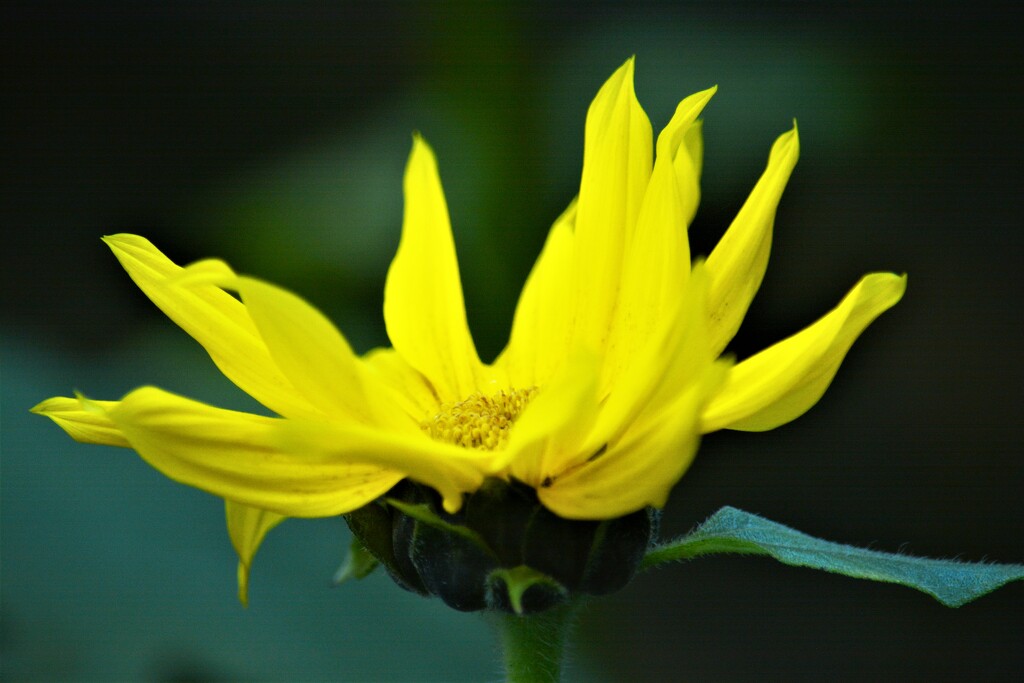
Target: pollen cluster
{"x": 479, "y": 421}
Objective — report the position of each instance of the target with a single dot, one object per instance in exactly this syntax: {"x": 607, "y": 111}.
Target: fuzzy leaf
{"x": 951, "y": 582}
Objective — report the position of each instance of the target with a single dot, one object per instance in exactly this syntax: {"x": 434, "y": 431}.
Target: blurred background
{"x": 274, "y": 134}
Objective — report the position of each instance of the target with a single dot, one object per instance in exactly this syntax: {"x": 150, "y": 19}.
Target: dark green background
{"x": 274, "y": 134}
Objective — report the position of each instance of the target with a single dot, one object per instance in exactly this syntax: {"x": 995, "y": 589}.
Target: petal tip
{"x": 892, "y": 284}
{"x": 243, "y": 585}
{"x": 786, "y": 149}
{"x": 122, "y": 239}
{"x": 114, "y": 242}
{"x": 43, "y": 407}
{"x": 61, "y": 404}
{"x": 129, "y": 246}
{"x": 790, "y": 139}
{"x": 418, "y": 141}
{"x": 623, "y": 76}
{"x": 706, "y": 95}
{"x": 421, "y": 155}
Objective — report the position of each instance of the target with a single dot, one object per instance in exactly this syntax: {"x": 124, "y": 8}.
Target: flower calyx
{"x": 502, "y": 551}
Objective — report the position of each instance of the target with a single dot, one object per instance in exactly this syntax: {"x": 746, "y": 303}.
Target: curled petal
{"x": 681, "y": 144}
{"x": 656, "y": 266}
{"x": 313, "y": 355}
{"x": 450, "y": 470}
{"x": 85, "y": 421}
{"x": 738, "y": 261}
{"x": 410, "y": 390}
{"x": 648, "y": 429}
{"x": 549, "y": 436}
{"x": 669, "y": 359}
{"x": 213, "y": 318}
{"x": 247, "y": 526}
{"x": 640, "y": 469}
{"x": 238, "y": 456}
{"x": 308, "y": 349}
{"x": 423, "y": 306}
{"x": 693, "y": 139}
{"x": 617, "y": 157}
{"x": 782, "y": 382}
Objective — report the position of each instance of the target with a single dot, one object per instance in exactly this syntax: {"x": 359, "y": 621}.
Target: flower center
{"x": 479, "y": 421}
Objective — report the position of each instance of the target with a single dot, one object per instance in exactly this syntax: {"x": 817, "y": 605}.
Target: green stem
{"x": 534, "y": 645}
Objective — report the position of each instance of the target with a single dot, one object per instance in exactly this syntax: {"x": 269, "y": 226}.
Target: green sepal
{"x": 617, "y": 551}
{"x": 523, "y": 590}
{"x": 421, "y": 512}
{"x": 374, "y": 526}
{"x": 501, "y": 526}
{"x": 951, "y": 582}
{"x": 501, "y": 512}
{"x": 451, "y": 566}
{"x": 358, "y": 563}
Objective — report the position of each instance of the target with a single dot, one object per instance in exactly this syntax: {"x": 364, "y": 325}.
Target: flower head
{"x": 612, "y": 372}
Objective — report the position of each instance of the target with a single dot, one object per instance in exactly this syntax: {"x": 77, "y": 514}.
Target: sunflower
{"x": 612, "y": 372}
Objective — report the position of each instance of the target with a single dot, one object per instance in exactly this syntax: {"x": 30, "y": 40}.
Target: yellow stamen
{"x": 479, "y": 421}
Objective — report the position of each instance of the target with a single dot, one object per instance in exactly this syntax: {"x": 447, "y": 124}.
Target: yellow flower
{"x": 611, "y": 373}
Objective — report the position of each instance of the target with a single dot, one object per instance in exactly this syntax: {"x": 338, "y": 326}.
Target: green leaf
{"x": 951, "y": 582}
{"x": 358, "y": 563}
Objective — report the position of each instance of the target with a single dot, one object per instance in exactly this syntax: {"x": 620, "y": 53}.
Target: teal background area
{"x": 274, "y": 134}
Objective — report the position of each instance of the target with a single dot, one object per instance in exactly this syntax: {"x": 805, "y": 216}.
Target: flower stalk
{"x": 533, "y": 645}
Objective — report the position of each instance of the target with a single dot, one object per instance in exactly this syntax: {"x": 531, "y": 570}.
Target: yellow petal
{"x": 543, "y": 320}
{"x": 782, "y": 382}
{"x": 655, "y": 272}
{"x": 639, "y": 470}
{"x": 213, "y": 318}
{"x": 450, "y": 470}
{"x": 411, "y": 392}
{"x": 238, "y": 457}
{"x": 681, "y": 143}
{"x": 668, "y": 361}
{"x": 656, "y": 265}
{"x": 694, "y": 142}
{"x": 247, "y": 526}
{"x": 617, "y": 160}
{"x": 689, "y": 182}
{"x": 423, "y": 306}
{"x": 315, "y": 357}
{"x": 738, "y": 262}
{"x": 211, "y": 271}
{"x": 549, "y": 435}
{"x": 84, "y": 421}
